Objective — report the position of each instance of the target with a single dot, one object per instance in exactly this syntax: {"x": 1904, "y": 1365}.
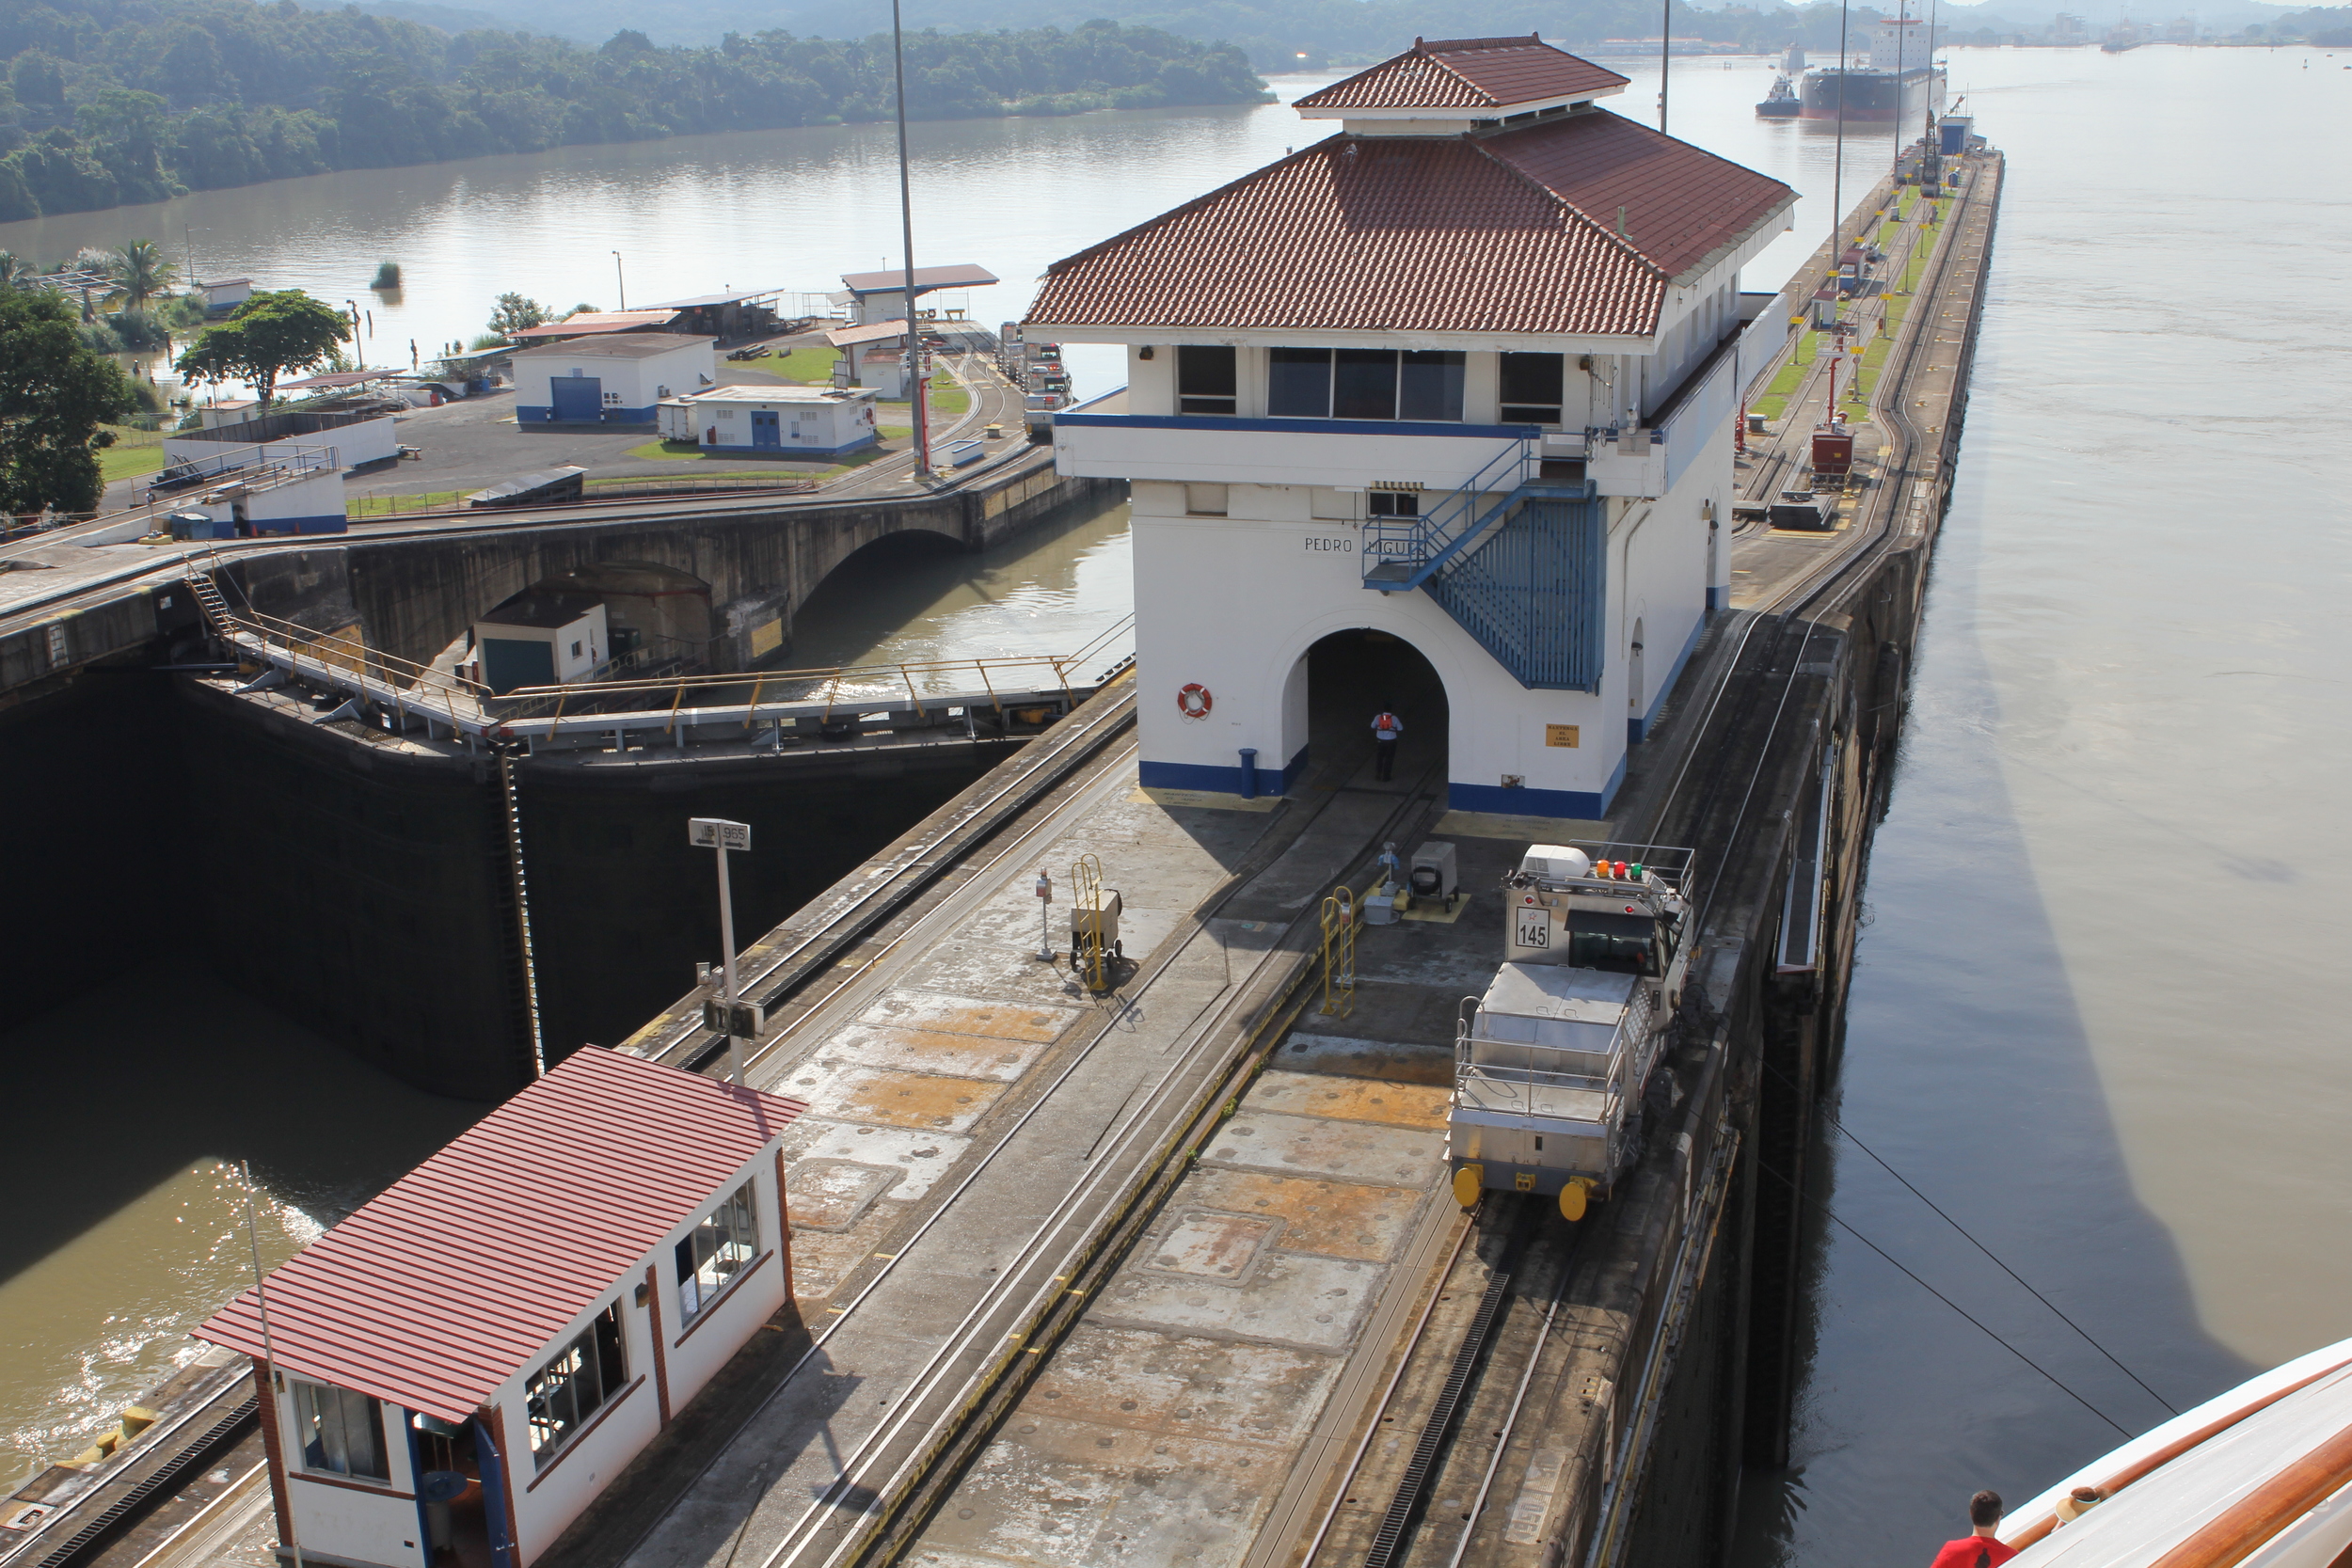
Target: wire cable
{"x": 1947, "y": 1300}
{"x": 1948, "y": 1219}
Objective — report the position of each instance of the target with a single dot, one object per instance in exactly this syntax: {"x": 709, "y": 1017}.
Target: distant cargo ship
{"x": 1895, "y": 82}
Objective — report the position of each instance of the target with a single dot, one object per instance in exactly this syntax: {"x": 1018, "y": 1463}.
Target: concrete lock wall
{"x": 1233, "y": 603}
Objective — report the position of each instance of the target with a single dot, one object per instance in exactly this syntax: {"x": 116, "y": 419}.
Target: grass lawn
{"x": 813, "y": 365}
{"x": 660, "y": 451}
{"x": 134, "y": 453}
{"x": 1784, "y": 387}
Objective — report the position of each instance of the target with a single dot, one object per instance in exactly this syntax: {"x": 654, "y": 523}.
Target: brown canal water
{"x": 2099, "y": 1010}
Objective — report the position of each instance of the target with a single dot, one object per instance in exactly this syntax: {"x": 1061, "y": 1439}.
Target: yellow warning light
{"x": 1468, "y": 1182}
{"x": 1572, "y": 1197}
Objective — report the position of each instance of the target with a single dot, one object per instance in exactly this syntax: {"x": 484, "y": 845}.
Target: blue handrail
{"x": 1425, "y": 544}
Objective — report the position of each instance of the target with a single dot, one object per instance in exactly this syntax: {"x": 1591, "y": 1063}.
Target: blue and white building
{"x": 616, "y": 378}
{"x": 1462, "y": 373}
{"x": 776, "y": 421}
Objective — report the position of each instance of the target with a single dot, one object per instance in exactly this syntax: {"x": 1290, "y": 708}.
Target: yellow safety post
{"x": 1339, "y": 952}
{"x": 1086, "y": 919}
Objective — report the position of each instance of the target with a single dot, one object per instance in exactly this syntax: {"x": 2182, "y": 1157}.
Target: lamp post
{"x": 357, "y": 349}
{"x": 712, "y": 832}
{"x": 267, "y": 1386}
{"x": 906, "y": 218}
{"x": 619, "y": 281}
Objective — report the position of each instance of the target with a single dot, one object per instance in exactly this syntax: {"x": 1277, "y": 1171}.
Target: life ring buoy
{"x": 1194, "y": 702}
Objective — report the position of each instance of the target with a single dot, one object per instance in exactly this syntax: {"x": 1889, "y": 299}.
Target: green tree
{"x": 515, "y": 312}
{"x": 15, "y": 272}
{"x": 54, "y": 395}
{"x": 141, "y": 272}
{"x": 269, "y": 334}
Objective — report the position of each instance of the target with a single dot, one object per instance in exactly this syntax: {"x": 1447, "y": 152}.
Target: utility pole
{"x": 357, "y": 348}
{"x": 1666, "y": 56}
{"x": 267, "y": 1388}
{"x": 619, "y": 281}
{"x": 906, "y": 218}
{"x": 711, "y": 832}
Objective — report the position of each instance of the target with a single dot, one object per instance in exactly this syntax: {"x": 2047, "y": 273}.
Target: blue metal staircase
{"x": 1523, "y": 571}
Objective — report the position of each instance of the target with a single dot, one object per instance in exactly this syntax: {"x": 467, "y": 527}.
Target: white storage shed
{"x": 782, "y": 421}
{"x": 462, "y": 1366}
{"x": 542, "y": 640}
{"x": 617, "y": 378}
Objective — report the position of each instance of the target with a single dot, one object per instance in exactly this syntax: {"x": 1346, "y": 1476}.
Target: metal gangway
{"x": 400, "y": 695}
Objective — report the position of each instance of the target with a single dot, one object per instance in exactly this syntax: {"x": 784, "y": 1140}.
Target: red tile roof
{"x": 1489, "y": 74}
{"x": 460, "y": 1273}
{"x": 1508, "y": 232}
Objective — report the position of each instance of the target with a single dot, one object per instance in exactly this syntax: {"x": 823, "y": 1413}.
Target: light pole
{"x": 267, "y": 1387}
{"x": 1666, "y": 56}
{"x": 906, "y": 218}
{"x": 712, "y": 832}
{"x": 357, "y": 348}
{"x": 619, "y": 281}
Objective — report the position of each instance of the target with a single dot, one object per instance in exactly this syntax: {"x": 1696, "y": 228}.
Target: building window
{"x": 715, "y": 1251}
{"x": 1363, "y": 384}
{"x": 1205, "y": 500}
{"x": 1205, "y": 379}
{"x": 341, "y": 1433}
{"x": 580, "y": 1380}
{"x": 1299, "y": 383}
{"x": 1393, "y": 503}
{"x": 575, "y": 650}
{"x": 1530, "y": 388}
{"x": 1429, "y": 386}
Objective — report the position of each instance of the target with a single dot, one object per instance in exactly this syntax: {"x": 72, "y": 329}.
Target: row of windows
{"x": 1366, "y": 384}
{"x": 341, "y": 1433}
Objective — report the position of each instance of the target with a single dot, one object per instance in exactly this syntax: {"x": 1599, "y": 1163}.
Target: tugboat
{"x": 1782, "y": 102}
{"x": 1551, "y": 1066}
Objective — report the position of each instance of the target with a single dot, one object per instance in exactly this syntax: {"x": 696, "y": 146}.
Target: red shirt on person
{"x": 1973, "y": 1551}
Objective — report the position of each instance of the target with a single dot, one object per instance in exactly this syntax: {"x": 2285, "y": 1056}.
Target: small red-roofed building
{"x": 1462, "y": 373}
{"x": 457, "y": 1369}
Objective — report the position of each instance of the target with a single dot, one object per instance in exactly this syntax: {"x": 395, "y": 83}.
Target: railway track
{"x": 1462, "y": 1381}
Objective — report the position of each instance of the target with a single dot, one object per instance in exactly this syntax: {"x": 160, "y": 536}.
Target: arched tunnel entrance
{"x": 658, "y": 616}
{"x": 1350, "y": 677}
{"x": 878, "y": 590}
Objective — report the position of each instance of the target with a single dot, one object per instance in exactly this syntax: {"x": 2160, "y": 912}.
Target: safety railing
{"x": 929, "y": 691}
{"x": 1632, "y": 1052}
{"x": 1422, "y": 544}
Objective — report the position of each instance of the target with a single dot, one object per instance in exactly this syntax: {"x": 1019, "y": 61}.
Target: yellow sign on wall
{"x": 767, "y": 636}
{"x": 1560, "y": 734}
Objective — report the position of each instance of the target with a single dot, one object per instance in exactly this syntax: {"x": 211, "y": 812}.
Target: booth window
{"x": 585, "y": 1376}
{"x": 715, "y": 1251}
{"x": 1530, "y": 388}
{"x": 1205, "y": 379}
{"x": 1394, "y": 504}
{"x": 1363, "y": 384}
{"x": 341, "y": 1432}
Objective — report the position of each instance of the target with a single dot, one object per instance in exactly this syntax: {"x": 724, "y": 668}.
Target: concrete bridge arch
{"x": 745, "y": 574}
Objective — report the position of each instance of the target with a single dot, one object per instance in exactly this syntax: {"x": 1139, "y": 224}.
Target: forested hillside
{"x": 107, "y": 101}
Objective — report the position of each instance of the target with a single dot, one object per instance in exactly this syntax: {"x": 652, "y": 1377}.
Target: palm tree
{"x": 15, "y": 272}
{"x": 140, "y": 273}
